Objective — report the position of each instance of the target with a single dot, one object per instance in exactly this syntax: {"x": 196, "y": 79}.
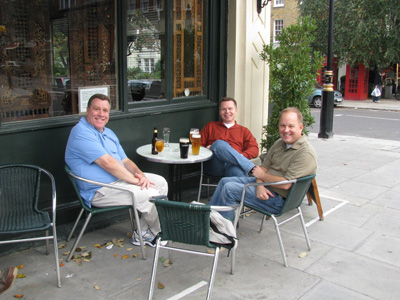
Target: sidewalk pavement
{"x": 355, "y": 251}
{"x": 383, "y": 104}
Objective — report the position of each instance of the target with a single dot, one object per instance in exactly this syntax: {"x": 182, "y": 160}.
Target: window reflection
{"x": 146, "y": 50}
{"x": 48, "y": 50}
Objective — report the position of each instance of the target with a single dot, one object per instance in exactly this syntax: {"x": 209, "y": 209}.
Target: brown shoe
{"x": 7, "y": 278}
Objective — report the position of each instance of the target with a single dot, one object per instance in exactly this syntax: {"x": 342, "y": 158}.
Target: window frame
{"x": 279, "y": 3}
{"x": 275, "y": 29}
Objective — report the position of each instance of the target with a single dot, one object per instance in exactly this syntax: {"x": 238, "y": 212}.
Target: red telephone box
{"x": 356, "y": 82}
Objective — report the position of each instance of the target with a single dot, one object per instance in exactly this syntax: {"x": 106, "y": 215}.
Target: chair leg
{"x": 233, "y": 258}
{"x": 139, "y": 229}
{"x": 154, "y": 270}
{"x": 47, "y": 243}
{"x": 304, "y": 228}
{"x": 79, "y": 237}
{"x": 131, "y": 217}
{"x": 201, "y": 182}
{"x": 213, "y": 271}
{"x": 75, "y": 225}
{"x": 278, "y": 233}
{"x": 56, "y": 256}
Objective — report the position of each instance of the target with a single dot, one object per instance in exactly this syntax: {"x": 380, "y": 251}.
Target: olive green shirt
{"x": 297, "y": 161}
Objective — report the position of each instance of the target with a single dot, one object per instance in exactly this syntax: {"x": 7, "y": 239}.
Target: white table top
{"x": 171, "y": 155}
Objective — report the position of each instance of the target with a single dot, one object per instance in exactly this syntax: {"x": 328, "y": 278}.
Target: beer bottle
{"x": 153, "y": 142}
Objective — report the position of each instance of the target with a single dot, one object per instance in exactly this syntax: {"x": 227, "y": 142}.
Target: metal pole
{"x": 326, "y": 120}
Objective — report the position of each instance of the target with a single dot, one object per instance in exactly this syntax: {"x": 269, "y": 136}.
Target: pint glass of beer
{"x": 196, "y": 138}
{"x": 184, "y": 147}
{"x": 193, "y": 131}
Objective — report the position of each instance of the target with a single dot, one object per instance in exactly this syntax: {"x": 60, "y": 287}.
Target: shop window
{"x": 279, "y": 3}
{"x": 51, "y": 49}
{"x": 150, "y": 63}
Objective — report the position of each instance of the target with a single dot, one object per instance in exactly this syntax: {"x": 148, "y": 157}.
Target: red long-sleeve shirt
{"x": 239, "y": 137}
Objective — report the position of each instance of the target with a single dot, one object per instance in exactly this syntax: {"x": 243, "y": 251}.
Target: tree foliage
{"x": 365, "y": 31}
{"x": 293, "y": 70}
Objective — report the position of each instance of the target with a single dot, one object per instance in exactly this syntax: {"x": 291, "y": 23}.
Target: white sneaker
{"x": 148, "y": 238}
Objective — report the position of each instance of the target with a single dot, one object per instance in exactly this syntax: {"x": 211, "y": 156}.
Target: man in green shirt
{"x": 290, "y": 157}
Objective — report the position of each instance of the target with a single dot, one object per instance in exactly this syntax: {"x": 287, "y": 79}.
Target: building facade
{"x": 162, "y": 62}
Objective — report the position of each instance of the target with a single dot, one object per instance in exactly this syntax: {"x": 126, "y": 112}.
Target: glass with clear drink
{"x": 166, "y": 133}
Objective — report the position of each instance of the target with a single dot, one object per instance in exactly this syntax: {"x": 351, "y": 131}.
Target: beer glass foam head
{"x": 196, "y": 136}
{"x": 183, "y": 140}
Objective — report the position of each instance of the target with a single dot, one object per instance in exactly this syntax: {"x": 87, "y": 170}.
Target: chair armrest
{"x": 224, "y": 208}
{"x": 111, "y": 186}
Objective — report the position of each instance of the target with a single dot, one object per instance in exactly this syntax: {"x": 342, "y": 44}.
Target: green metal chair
{"x": 293, "y": 201}
{"x": 187, "y": 223}
{"x": 91, "y": 211}
{"x": 19, "y": 212}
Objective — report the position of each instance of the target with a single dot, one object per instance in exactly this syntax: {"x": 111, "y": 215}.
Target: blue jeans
{"x": 229, "y": 192}
{"x": 226, "y": 161}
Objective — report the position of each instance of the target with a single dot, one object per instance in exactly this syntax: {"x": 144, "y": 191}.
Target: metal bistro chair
{"x": 91, "y": 211}
{"x": 19, "y": 212}
{"x": 294, "y": 199}
{"x": 207, "y": 177}
{"x": 187, "y": 223}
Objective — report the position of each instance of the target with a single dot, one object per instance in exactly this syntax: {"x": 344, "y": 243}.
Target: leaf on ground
{"x": 61, "y": 246}
{"x": 160, "y": 285}
{"x": 66, "y": 253}
{"x": 211, "y": 251}
{"x": 20, "y": 267}
{"x": 97, "y": 246}
{"x": 138, "y": 279}
{"x": 96, "y": 287}
{"x": 135, "y": 255}
{"x": 87, "y": 254}
{"x": 80, "y": 249}
{"x": 62, "y": 264}
{"x": 161, "y": 259}
{"x": 20, "y": 275}
{"x": 129, "y": 249}
{"x": 242, "y": 233}
{"x": 125, "y": 256}
{"x": 118, "y": 242}
{"x": 18, "y": 296}
{"x": 166, "y": 263}
{"x": 129, "y": 234}
{"x": 85, "y": 259}
{"x": 108, "y": 243}
{"x": 115, "y": 255}
{"x": 303, "y": 254}
{"x": 247, "y": 215}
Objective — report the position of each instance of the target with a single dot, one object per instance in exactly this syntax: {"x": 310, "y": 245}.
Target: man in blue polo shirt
{"x": 94, "y": 152}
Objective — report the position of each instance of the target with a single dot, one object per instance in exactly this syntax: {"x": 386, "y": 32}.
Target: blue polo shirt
{"x": 85, "y": 145}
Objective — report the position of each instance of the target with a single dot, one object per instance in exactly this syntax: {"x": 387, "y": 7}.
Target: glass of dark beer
{"x": 184, "y": 147}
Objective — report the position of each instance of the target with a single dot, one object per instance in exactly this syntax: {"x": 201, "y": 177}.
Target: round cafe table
{"x": 171, "y": 156}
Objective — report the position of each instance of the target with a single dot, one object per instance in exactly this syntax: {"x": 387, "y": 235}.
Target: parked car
{"x": 316, "y": 98}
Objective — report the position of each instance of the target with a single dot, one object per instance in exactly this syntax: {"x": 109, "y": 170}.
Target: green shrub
{"x": 293, "y": 68}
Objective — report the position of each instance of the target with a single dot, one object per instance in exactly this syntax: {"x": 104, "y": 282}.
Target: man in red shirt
{"x": 233, "y": 145}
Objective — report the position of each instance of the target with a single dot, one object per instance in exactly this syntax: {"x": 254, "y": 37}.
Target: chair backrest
{"x": 19, "y": 195}
{"x": 184, "y": 222}
{"x": 72, "y": 179}
{"x": 297, "y": 193}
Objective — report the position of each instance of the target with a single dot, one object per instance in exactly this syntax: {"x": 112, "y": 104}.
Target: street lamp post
{"x": 326, "y": 120}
